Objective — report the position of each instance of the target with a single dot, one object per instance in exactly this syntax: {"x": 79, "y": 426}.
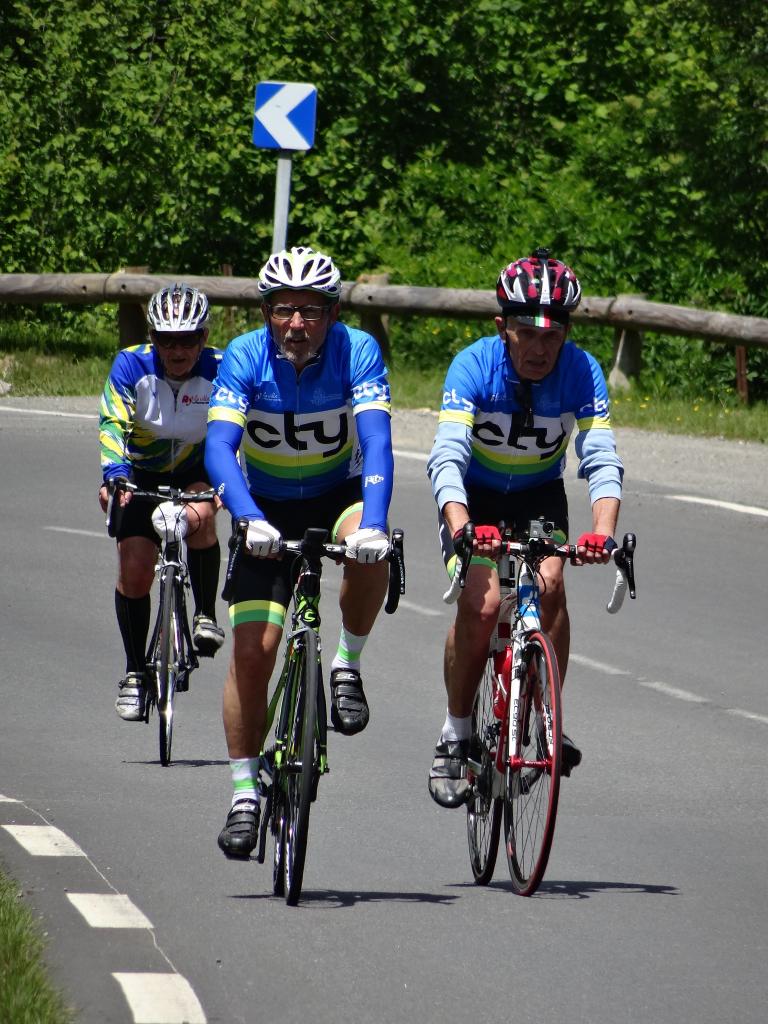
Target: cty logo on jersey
{"x": 323, "y": 434}
{"x": 495, "y": 430}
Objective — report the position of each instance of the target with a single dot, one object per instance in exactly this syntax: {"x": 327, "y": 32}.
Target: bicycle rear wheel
{"x": 302, "y": 763}
{"x": 168, "y": 660}
{"x": 533, "y": 768}
{"x": 483, "y": 809}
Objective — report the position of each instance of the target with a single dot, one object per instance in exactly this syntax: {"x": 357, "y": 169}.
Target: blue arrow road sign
{"x": 284, "y": 115}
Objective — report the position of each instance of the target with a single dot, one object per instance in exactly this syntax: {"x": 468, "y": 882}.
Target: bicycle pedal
{"x": 203, "y": 652}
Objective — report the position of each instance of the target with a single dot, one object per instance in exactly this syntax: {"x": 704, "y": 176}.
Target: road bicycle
{"x": 515, "y": 752}
{"x": 171, "y": 656}
{"x": 291, "y": 769}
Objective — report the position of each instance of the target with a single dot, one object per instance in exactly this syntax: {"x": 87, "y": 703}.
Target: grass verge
{"x": 30, "y": 372}
{"x": 26, "y": 994}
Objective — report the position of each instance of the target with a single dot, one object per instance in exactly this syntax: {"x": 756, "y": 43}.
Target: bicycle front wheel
{"x": 533, "y": 767}
{"x": 484, "y": 808}
{"x": 168, "y": 660}
{"x": 302, "y": 762}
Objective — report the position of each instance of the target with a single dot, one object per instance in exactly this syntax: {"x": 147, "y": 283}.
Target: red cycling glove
{"x": 483, "y": 535}
{"x": 596, "y": 542}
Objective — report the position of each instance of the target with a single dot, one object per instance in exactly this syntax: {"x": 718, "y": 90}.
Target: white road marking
{"x": 752, "y": 716}
{"x": 83, "y": 533}
{"x": 673, "y": 691}
{"x": 8, "y": 799}
{"x": 665, "y": 689}
{"x": 729, "y": 506}
{"x": 44, "y": 840}
{"x": 50, "y": 412}
{"x": 104, "y": 910}
{"x": 400, "y": 453}
{"x": 598, "y": 666}
{"x": 419, "y": 609}
{"x": 160, "y": 998}
{"x": 154, "y": 998}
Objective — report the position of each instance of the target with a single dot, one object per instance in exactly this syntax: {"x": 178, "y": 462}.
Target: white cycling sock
{"x": 348, "y": 651}
{"x": 456, "y": 728}
{"x": 245, "y": 778}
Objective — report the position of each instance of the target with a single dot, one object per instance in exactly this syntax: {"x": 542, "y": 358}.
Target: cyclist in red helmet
{"x": 510, "y": 404}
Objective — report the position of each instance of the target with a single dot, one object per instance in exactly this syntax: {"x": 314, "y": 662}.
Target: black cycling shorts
{"x": 136, "y": 518}
{"x": 515, "y": 510}
{"x": 263, "y": 586}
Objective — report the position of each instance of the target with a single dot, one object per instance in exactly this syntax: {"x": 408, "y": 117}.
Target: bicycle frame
{"x": 305, "y": 615}
{"x": 170, "y": 656}
{"x": 518, "y": 617}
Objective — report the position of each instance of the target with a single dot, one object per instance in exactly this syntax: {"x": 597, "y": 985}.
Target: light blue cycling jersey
{"x": 301, "y": 435}
{"x": 483, "y": 439}
{"x": 145, "y": 424}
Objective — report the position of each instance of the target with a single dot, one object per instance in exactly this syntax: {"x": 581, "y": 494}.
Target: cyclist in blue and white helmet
{"x": 306, "y": 400}
{"x": 152, "y": 430}
{"x": 300, "y": 267}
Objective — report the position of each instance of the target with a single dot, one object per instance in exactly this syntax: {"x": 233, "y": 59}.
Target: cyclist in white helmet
{"x": 307, "y": 398}
{"x": 152, "y": 429}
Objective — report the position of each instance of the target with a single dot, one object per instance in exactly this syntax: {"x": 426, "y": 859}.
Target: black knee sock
{"x": 204, "y": 565}
{"x": 133, "y": 620}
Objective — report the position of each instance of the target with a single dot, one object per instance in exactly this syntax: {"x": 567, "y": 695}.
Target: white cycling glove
{"x": 367, "y": 545}
{"x": 262, "y": 539}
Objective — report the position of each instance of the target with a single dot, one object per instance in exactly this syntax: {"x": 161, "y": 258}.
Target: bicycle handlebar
{"x": 537, "y": 548}
{"x": 164, "y": 492}
{"x": 314, "y": 543}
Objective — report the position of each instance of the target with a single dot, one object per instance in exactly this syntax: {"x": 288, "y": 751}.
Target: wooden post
{"x": 132, "y": 316}
{"x": 742, "y": 384}
{"x": 373, "y": 322}
{"x": 229, "y": 313}
{"x": 627, "y": 354}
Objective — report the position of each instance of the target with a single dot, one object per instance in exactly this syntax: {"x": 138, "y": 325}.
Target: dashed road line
{"x": 81, "y": 533}
{"x": 104, "y": 910}
{"x": 752, "y": 716}
{"x": 44, "y": 841}
{"x": 160, "y": 998}
{"x": 728, "y": 506}
{"x": 50, "y": 412}
{"x": 674, "y": 692}
{"x": 153, "y": 997}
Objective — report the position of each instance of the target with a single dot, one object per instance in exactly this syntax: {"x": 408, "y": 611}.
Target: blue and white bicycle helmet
{"x": 300, "y": 268}
{"x": 178, "y": 307}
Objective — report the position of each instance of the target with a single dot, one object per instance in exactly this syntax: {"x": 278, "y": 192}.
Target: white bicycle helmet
{"x": 177, "y": 308}
{"x": 300, "y": 268}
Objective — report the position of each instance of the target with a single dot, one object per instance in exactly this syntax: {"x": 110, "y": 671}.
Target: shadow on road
{"x": 583, "y": 890}
{"x": 329, "y": 899}
{"x": 182, "y": 763}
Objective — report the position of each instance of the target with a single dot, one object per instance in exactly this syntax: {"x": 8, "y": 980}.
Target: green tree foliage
{"x": 451, "y": 137}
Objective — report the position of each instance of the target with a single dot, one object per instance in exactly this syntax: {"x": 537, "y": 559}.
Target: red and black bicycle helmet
{"x": 538, "y": 290}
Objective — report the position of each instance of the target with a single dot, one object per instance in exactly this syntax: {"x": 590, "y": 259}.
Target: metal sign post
{"x": 284, "y": 119}
{"x": 282, "y": 201}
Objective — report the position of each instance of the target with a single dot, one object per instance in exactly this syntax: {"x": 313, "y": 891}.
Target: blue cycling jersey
{"x": 144, "y": 423}
{"x": 301, "y": 434}
{"x": 485, "y": 437}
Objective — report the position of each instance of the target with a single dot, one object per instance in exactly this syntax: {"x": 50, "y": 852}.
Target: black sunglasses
{"x": 180, "y": 340}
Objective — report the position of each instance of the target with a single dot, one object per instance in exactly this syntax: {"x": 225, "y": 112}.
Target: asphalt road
{"x": 655, "y": 902}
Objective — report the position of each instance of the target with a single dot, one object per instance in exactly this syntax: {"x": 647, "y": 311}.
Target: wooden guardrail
{"x": 457, "y": 303}
{"x": 629, "y": 315}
